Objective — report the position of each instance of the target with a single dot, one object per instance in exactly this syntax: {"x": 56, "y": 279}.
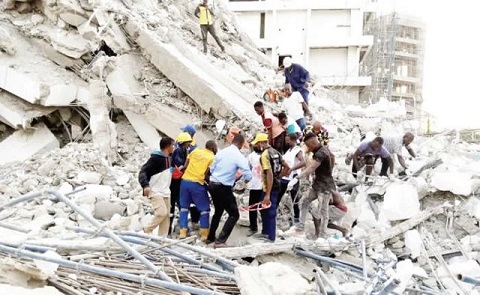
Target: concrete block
{"x": 105, "y": 210}
{"x": 147, "y": 133}
{"x": 69, "y": 43}
{"x": 55, "y": 56}
{"x": 18, "y": 113}
{"x": 206, "y": 85}
{"x": 400, "y": 202}
{"x": 48, "y": 85}
{"x": 27, "y": 143}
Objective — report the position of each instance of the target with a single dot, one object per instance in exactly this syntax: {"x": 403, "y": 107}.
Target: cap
{"x": 260, "y": 137}
{"x": 189, "y": 128}
{"x": 287, "y": 61}
{"x": 184, "y": 137}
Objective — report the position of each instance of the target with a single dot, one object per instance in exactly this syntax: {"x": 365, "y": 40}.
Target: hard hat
{"x": 287, "y": 61}
{"x": 260, "y": 137}
{"x": 184, "y": 137}
{"x": 189, "y": 128}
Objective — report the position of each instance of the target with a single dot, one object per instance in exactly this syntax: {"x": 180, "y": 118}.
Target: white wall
{"x": 330, "y": 23}
{"x": 250, "y": 22}
{"x": 329, "y": 61}
{"x": 291, "y": 34}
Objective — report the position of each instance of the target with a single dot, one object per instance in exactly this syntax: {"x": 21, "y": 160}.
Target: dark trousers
{"x": 209, "y": 29}
{"x": 269, "y": 216}
{"x": 304, "y": 92}
{"x": 174, "y": 200}
{"x": 255, "y": 197}
{"x": 385, "y": 165}
{"x": 293, "y": 195}
{"x": 279, "y": 143}
{"x": 223, "y": 200}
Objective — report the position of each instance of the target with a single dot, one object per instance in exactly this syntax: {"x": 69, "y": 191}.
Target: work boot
{"x": 183, "y": 233}
{"x": 204, "y": 234}
{"x": 251, "y": 232}
{"x": 220, "y": 245}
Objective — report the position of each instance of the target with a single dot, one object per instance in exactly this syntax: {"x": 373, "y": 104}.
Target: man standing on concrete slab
{"x": 273, "y": 168}
{"x": 273, "y": 126}
{"x": 255, "y": 187}
{"x": 155, "y": 177}
{"x": 297, "y": 76}
{"x": 295, "y": 106}
{"x": 193, "y": 188}
{"x": 205, "y": 15}
{"x": 366, "y": 154}
{"x": 223, "y": 177}
{"x": 178, "y": 166}
{"x": 295, "y": 159}
{"x": 394, "y": 145}
{"x": 322, "y": 187}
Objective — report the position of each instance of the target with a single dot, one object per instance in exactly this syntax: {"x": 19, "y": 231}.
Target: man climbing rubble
{"x": 155, "y": 177}
{"x": 223, "y": 177}
{"x": 205, "y": 16}
{"x": 322, "y": 187}
{"x": 193, "y": 188}
{"x": 179, "y": 158}
{"x": 273, "y": 168}
{"x": 366, "y": 155}
{"x": 394, "y": 145}
{"x": 336, "y": 211}
{"x": 273, "y": 126}
{"x": 295, "y": 106}
{"x": 297, "y": 76}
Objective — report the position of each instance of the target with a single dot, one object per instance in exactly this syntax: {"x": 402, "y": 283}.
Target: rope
{"x": 256, "y": 207}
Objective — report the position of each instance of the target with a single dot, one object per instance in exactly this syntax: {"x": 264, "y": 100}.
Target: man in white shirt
{"x": 394, "y": 145}
{"x": 295, "y": 159}
{"x": 295, "y": 106}
{"x": 254, "y": 186}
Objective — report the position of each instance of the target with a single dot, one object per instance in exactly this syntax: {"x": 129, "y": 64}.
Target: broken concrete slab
{"x": 212, "y": 95}
{"x": 27, "y": 143}
{"x": 48, "y": 85}
{"x": 71, "y": 12}
{"x": 55, "y": 56}
{"x": 18, "y": 113}
{"x": 147, "y": 133}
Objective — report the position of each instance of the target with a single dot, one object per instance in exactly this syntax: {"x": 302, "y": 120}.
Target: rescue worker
{"x": 297, "y": 76}
{"x": 273, "y": 168}
{"x": 295, "y": 159}
{"x": 273, "y": 126}
{"x": 295, "y": 106}
{"x": 178, "y": 167}
{"x": 254, "y": 187}
{"x": 394, "y": 145}
{"x": 223, "y": 175}
{"x": 205, "y": 15}
{"x": 155, "y": 177}
{"x": 366, "y": 154}
{"x": 194, "y": 190}
{"x": 322, "y": 187}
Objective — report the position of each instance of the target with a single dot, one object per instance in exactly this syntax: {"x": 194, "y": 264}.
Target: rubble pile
{"x": 88, "y": 87}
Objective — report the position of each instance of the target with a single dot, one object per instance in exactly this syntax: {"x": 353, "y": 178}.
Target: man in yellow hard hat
{"x": 179, "y": 158}
{"x": 205, "y": 15}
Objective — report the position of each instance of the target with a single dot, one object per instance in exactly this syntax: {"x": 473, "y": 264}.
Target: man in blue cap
{"x": 190, "y": 129}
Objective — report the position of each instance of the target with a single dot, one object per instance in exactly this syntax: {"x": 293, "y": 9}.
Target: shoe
{"x": 204, "y": 234}
{"x": 195, "y": 226}
{"x": 295, "y": 232}
{"x": 220, "y": 245}
{"x": 260, "y": 236}
{"x": 183, "y": 233}
{"x": 251, "y": 232}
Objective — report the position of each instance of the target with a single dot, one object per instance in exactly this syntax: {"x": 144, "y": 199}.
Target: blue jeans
{"x": 301, "y": 123}
{"x": 269, "y": 216}
{"x": 304, "y": 92}
{"x": 194, "y": 192}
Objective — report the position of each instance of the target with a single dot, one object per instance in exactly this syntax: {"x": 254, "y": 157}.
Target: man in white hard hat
{"x": 297, "y": 76}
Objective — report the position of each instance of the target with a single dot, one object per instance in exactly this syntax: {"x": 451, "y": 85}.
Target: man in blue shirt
{"x": 297, "y": 76}
{"x": 223, "y": 176}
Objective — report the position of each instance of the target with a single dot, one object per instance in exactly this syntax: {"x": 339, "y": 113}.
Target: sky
{"x": 452, "y": 59}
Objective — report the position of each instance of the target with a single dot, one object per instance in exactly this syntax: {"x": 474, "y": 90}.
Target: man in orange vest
{"x": 205, "y": 15}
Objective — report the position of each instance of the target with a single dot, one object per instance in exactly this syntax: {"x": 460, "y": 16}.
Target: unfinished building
{"x": 395, "y": 61}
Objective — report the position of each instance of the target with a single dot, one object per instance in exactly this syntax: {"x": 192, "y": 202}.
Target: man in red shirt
{"x": 272, "y": 124}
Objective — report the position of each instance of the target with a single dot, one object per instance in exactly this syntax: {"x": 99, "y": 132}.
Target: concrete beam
{"x": 18, "y": 113}
{"x": 23, "y": 144}
{"x": 214, "y": 92}
{"x": 147, "y": 133}
{"x": 34, "y": 78}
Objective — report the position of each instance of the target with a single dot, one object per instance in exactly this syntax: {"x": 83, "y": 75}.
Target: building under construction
{"x": 395, "y": 61}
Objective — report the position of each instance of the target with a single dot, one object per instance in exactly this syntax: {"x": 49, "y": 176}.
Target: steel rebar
{"x": 469, "y": 280}
{"x": 389, "y": 287}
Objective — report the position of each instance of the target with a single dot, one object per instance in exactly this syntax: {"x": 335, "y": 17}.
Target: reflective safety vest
{"x": 205, "y": 16}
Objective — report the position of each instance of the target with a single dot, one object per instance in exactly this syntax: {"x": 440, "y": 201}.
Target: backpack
{"x": 275, "y": 162}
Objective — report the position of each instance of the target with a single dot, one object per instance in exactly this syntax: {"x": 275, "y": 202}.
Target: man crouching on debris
{"x": 322, "y": 187}
{"x": 366, "y": 154}
{"x": 155, "y": 177}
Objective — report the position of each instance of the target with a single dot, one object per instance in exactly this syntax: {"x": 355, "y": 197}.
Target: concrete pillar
{"x": 103, "y": 130}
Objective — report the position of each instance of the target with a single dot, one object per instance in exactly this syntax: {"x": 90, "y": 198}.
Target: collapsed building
{"x": 87, "y": 88}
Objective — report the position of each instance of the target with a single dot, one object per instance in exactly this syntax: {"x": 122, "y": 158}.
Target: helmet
{"x": 287, "y": 61}
{"x": 184, "y": 137}
{"x": 260, "y": 137}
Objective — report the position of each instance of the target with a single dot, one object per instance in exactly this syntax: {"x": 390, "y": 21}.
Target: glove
{"x": 292, "y": 183}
